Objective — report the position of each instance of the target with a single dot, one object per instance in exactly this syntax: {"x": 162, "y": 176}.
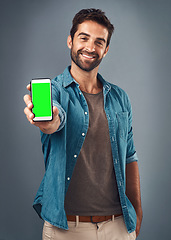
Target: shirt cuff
{"x": 62, "y": 115}
{"x": 133, "y": 158}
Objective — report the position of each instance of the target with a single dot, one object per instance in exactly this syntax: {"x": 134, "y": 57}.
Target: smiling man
{"x": 91, "y": 188}
{"x": 88, "y": 46}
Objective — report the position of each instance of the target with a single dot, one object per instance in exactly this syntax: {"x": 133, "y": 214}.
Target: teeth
{"x": 87, "y": 56}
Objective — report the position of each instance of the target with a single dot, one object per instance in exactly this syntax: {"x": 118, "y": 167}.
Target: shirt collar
{"x": 68, "y": 79}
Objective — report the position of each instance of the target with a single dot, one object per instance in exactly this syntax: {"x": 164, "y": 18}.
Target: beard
{"x": 86, "y": 65}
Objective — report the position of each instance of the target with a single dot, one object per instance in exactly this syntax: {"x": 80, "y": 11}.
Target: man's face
{"x": 89, "y": 45}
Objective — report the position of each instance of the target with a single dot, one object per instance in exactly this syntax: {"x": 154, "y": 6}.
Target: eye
{"x": 84, "y": 38}
{"x": 99, "y": 43}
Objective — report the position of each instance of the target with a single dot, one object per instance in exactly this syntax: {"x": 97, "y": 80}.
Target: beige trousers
{"x": 114, "y": 229}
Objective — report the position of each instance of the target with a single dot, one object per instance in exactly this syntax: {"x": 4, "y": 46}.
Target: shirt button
{"x": 85, "y": 113}
{"x": 80, "y": 93}
{"x": 116, "y": 160}
{"x": 68, "y": 178}
{"x": 83, "y": 134}
{"x": 75, "y": 155}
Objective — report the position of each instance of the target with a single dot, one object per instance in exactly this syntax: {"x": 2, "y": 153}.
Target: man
{"x": 91, "y": 184}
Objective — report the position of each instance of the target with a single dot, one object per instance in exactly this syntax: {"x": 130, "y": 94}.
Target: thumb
{"x": 55, "y": 110}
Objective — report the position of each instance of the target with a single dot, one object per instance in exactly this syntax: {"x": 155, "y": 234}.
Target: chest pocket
{"x": 122, "y": 118}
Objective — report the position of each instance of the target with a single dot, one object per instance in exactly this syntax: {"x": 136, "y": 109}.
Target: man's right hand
{"x": 47, "y": 127}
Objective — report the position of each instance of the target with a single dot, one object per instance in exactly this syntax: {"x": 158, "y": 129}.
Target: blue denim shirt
{"x": 61, "y": 149}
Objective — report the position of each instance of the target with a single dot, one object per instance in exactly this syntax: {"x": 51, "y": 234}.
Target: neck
{"x": 87, "y": 81}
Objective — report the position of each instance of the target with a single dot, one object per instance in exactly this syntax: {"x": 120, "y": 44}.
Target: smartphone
{"x": 41, "y": 95}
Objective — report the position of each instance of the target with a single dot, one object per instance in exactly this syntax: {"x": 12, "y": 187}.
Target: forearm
{"x": 133, "y": 190}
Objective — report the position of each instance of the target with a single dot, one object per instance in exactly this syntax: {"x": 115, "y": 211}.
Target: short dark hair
{"x": 95, "y": 15}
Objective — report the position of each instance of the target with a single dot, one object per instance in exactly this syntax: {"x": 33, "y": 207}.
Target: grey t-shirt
{"x": 93, "y": 190}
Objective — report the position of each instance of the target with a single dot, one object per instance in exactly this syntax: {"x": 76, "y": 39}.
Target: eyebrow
{"x": 86, "y": 34}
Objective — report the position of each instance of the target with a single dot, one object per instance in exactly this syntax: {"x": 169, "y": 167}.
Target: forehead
{"x": 93, "y": 29}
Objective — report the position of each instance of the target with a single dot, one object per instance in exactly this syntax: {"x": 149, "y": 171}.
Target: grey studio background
{"x": 33, "y": 44}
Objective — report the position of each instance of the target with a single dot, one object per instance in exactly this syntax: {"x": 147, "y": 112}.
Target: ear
{"x": 69, "y": 42}
{"x": 106, "y": 50}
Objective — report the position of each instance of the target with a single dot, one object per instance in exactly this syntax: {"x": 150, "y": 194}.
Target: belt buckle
{"x": 94, "y": 222}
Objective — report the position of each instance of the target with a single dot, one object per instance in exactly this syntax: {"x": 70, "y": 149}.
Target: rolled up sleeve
{"x": 133, "y": 158}
{"x": 131, "y": 155}
{"x": 56, "y": 103}
{"x": 62, "y": 115}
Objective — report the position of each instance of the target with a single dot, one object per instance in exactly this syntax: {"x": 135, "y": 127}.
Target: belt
{"x": 93, "y": 219}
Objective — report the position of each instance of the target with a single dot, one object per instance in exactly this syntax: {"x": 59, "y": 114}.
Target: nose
{"x": 90, "y": 46}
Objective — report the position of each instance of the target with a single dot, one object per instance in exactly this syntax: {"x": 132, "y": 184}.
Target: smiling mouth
{"x": 87, "y": 56}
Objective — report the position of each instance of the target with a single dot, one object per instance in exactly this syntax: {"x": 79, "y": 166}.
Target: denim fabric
{"x": 62, "y": 148}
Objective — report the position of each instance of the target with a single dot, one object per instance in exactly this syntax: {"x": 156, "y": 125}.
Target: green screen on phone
{"x": 41, "y": 98}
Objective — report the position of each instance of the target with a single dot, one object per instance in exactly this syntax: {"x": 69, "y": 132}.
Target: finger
{"x": 30, "y": 119}
{"x": 28, "y": 113}
{"x": 29, "y": 87}
{"x": 27, "y": 100}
